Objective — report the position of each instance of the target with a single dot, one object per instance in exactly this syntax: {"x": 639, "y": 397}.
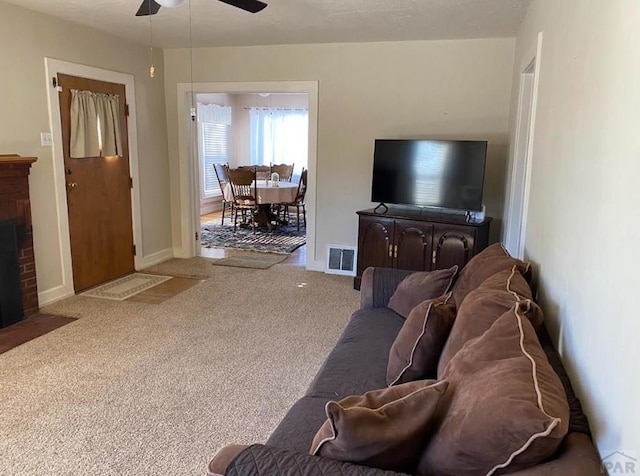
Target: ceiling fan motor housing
{"x": 170, "y": 3}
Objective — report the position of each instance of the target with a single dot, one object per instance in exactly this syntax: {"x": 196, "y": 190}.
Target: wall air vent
{"x": 341, "y": 259}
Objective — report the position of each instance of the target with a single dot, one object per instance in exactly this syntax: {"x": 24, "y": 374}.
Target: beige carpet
{"x": 251, "y": 260}
{"x": 140, "y": 389}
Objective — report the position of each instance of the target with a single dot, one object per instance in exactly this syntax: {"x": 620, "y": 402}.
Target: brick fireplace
{"x": 15, "y": 208}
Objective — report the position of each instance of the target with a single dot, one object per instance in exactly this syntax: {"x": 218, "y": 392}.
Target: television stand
{"x": 416, "y": 240}
{"x": 380, "y": 207}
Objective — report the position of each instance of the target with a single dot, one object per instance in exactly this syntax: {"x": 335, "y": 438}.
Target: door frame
{"x": 523, "y": 149}
{"x": 52, "y": 68}
{"x": 189, "y": 190}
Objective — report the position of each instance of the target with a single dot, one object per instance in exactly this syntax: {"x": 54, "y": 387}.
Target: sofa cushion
{"x": 419, "y": 286}
{"x": 488, "y": 262}
{"x": 296, "y": 430}
{"x": 505, "y": 408}
{"x": 358, "y": 362}
{"x": 484, "y": 305}
{"x": 383, "y": 428}
{"x": 415, "y": 352}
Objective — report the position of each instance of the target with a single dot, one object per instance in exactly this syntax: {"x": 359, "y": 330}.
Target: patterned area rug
{"x": 123, "y": 288}
{"x": 283, "y": 240}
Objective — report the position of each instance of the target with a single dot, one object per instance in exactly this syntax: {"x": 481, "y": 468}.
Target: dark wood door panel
{"x": 452, "y": 246}
{"x": 374, "y": 243}
{"x": 412, "y": 245}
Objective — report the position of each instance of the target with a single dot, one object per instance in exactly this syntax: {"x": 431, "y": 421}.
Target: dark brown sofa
{"x": 357, "y": 364}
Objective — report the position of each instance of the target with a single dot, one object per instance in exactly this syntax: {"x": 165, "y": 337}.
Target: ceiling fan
{"x": 151, "y": 7}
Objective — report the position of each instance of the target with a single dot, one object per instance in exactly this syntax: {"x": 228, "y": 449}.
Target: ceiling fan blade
{"x": 148, "y": 7}
{"x": 252, "y": 6}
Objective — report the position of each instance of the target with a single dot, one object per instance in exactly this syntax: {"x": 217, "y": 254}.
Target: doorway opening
{"x": 55, "y": 67}
{"x": 520, "y": 173}
{"x": 193, "y": 170}
{"x": 266, "y": 130}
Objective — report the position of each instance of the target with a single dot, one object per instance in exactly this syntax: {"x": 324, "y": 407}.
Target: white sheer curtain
{"x": 279, "y": 136}
{"x": 95, "y": 125}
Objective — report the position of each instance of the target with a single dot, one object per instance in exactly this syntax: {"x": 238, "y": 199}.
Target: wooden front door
{"x": 98, "y": 198}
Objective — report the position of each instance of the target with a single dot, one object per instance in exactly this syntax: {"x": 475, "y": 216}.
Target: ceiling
{"x": 294, "y": 21}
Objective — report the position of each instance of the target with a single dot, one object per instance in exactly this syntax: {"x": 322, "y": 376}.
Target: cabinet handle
{"x": 433, "y": 257}
{"x": 395, "y": 251}
{"x": 390, "y": 251}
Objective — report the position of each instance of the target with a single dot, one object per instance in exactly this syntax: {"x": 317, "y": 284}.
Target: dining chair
{"x": 243, "y": 188}
{"x": 223, "y": 180}
{"x": 299, "y": 201}
{"x": 263, "y": 172}
{"x": 284, "y": 171}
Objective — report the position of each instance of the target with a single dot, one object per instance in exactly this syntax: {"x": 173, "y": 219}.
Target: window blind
{"x": 214, "y": 150}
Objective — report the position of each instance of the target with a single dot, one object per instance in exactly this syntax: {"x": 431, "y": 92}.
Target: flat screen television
{"x": 429, "y": 173}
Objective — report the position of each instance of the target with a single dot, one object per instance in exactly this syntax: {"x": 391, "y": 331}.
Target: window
{"x": 279, "y": 136}
{"x": 213, "y": 144}
{"x": 213, "y": 150}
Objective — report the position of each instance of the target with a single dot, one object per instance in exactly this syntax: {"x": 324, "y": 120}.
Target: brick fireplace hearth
{"x": 15, "y": 207}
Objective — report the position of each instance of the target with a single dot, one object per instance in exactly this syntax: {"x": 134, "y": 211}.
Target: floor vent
{"x": 341, "y": 259}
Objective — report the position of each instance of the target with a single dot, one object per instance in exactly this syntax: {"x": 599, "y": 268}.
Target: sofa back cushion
{"x": 484, "y": 305}
{"x": 415, "y": 352}
{"x": 488, "y": 262}
{"x": 419, "y": 286}
{"x": 505, "y": 408}
{"x": 383, "y": 428}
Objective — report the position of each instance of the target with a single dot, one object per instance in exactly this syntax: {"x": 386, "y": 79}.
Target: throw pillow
{"x": 484, "y": 305}
{"x": 420, "y": 286}
{"x": 415, "y": 352}
{"x": 505, "y": 408}
{"x": 489, "y": 261}
{"x": 383, "y": 428}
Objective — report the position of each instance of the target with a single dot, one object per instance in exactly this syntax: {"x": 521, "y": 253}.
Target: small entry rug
{"x": 251, "y": 260}
{"x": 283, "y": 240}
{"x": 123, "y": 288}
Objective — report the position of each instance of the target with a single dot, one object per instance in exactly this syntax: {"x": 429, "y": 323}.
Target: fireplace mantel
{"x": 13, "y": 160}
{"x": 15, "y": 206}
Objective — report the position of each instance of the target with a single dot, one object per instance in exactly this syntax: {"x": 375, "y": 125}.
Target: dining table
{"x": 269, "y": 193}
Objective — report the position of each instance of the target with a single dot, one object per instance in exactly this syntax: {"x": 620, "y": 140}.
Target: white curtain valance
{"x": 95, "y": 125}
{"x": 214, "y": 114}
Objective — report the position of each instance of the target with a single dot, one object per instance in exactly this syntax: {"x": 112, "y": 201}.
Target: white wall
{"x": 26, "y": 38}
{"x": 440, "y": 89}
{"x": 582, "y": 228}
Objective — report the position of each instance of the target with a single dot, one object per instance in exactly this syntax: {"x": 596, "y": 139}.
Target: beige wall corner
{"x": 582, "y": 227}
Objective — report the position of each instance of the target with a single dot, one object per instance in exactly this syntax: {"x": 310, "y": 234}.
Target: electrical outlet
{"x": 45, "y": 139}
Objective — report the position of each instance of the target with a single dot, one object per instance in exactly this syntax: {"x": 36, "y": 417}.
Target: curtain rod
{"x": 266, "y": 108}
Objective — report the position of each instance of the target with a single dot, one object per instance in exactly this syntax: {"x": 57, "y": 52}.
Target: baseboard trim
{"x": 181, "y": 253}
{"x": 315, "y": 266}
{"x": 52, "y": 295}
{"x": 156, "y": 258}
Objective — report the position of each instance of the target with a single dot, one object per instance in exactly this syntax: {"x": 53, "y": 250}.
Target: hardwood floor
{"x": 30, "y": 328}
{"x": 297, "y": 258}
{"x": 166, "y": 290}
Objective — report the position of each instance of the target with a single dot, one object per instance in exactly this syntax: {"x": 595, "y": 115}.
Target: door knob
{"x": 71, "y": 185}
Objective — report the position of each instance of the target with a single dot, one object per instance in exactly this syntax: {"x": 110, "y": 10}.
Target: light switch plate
{"x": 45, "y": 139}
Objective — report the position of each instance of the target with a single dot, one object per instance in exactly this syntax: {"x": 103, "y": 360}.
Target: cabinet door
{"x": 374, "y": 243}
{"x": 452, "y": 245}
{"x": 412, "y": 245}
